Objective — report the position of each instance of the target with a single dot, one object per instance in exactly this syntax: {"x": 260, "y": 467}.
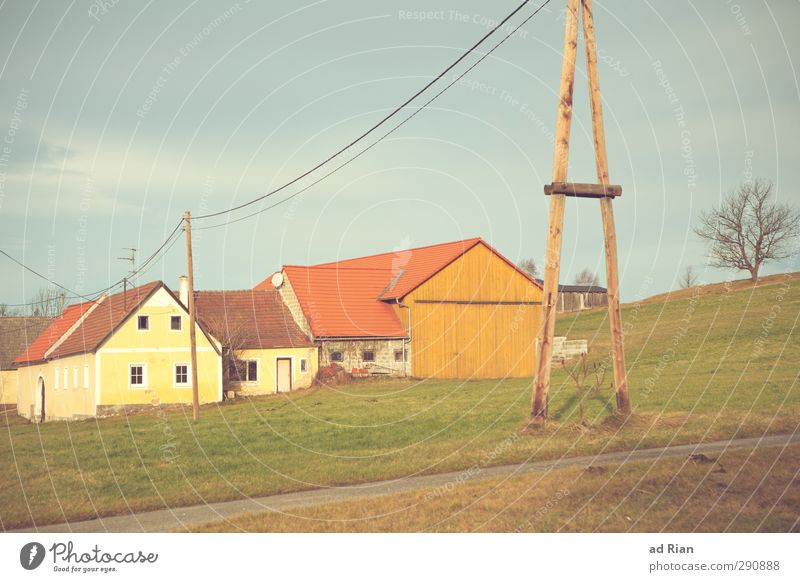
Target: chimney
{"x": 183, "y": 290}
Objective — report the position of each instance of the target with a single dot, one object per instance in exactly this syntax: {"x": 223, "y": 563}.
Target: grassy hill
{"x": 704, "y": 364}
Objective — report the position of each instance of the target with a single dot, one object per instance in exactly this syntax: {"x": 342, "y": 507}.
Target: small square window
{"x": 175, "y": 322}
{"x": 143, "y": 322}
{"x": 336, "y": 357}
{"x": 398, "y": 356}
{"x": 137, "y": 375}
{"x": 303, "y": 365}
{"x": 181, "y": 374}
{"x": 368, "y": 356}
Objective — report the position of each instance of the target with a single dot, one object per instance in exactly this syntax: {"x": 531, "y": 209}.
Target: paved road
{"x": 182, "y": 518}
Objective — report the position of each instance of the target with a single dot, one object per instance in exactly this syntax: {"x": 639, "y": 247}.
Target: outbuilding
{"x": 451, "y": 310}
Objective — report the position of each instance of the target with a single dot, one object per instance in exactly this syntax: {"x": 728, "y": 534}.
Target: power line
{"x": 376, "y": 142}
{"x": 382, "y": 121}
{"x": 92, "y": 296}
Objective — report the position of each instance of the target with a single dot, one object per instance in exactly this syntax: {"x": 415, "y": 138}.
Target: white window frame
{"x": 143, "y": 385}
{"x": 86, "y": 376}
{"x": 66, "y": 378}
{"x": 56, "y": 376}
{"x": 188, "y": 383}
{"x": 304, "y": 365}
{"x": 247, "y": 371}
{"x": 74, "y": 378}
{"x": 170, "y": 323}
{"x": 137, "y": 322}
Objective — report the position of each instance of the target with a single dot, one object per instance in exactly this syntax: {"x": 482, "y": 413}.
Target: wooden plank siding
{"x": 477, "y": 318}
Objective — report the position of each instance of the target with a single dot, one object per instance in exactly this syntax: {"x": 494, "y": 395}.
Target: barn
{"x": 451, "y": 310}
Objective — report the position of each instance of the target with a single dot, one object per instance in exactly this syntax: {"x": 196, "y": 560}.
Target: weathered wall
{"x": 569, "y": 301}
{"x": 293, "y": 304}
{"x": 352, "y": 351}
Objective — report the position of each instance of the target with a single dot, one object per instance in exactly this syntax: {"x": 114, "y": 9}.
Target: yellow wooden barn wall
{"x": 470, "y": 339}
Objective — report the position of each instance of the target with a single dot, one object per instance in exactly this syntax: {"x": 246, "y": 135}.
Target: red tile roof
{"x": 343, "y": 302}
{"x": 104, "y": 319}
{"x": 57, "y": 328}
{"x": 253, "y": 318}
{"x": 351, "y": 298}
{"x": 409, "y": 268}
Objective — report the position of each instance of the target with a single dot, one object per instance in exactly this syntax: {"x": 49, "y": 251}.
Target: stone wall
{"x": 352, "y": 355}
{"x": 290, "y": 300}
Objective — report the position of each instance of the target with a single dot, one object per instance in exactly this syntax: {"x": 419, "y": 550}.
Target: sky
{"x": 117, "y": 116}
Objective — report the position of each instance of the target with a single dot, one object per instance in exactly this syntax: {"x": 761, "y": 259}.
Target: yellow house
{"x": 126, "y": 350}
{"x": 264, "y": 351}
{"x": 16, "y": 334}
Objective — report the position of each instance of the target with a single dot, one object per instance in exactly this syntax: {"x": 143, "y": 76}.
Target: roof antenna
{"x": 132, "y": 273}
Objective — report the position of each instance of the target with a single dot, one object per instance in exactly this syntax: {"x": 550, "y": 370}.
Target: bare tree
{"x": 588, "y": 378}
{"x": 688, "y": 278}
{"x": 529, "y": 266}
{"x": 48, "y": 302}
{"x": 748, "y": 229}
{"x": 232, "y": 335}
{"x": 587, "y": 277}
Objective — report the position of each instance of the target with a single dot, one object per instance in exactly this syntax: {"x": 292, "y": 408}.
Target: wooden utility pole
{"x": 192, "y": 334}
{"x": 558, "y": 192}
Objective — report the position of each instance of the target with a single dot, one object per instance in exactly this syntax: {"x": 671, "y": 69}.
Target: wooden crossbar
{"x": 579, "y": 190}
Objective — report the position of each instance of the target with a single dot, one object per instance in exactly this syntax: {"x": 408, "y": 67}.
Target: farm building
{"x": 452, "y": 310}
{"x": 264, "y": 350}
{"x": 579, "y": 297}
{"x": 16, "y": 334}
{"x": 130, "y": 349}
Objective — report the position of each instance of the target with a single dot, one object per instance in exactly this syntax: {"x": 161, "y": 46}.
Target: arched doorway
{"x": 39, "y": 408}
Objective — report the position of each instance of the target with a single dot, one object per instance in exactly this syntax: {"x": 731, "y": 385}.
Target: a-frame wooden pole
{"x": 556, "y": 224}
{"x": 607, "y": 213}
{"x": 192, "y": 318}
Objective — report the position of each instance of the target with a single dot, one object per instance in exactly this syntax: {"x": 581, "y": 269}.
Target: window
{"x": 74, "y": 378}
{"x": 304, "y": 365}
{"x": 368, "y": 356}
{"x": 243, "y": 370}
{"x": 181, "y": 374}
{"x": 86, "y": 376}
{"x": 66, "y": 378}
{"x": 137, "y": 376}
{"x": 55, "y": 377}
{"x": 398, "y": 356}
{"x": 336, "y": 357}
{"x": 175, "y": 322}
{"x": 143, "y": 322}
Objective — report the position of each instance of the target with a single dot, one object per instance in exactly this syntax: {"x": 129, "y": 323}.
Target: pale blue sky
{"x": 116, "y": 117}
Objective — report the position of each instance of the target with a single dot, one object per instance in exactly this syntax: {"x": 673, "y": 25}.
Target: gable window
{"x": 66, "y": 378}
{"x": 368, "y": 356}
{"x": 303, "y": 365}
{"x": 143, "y": 322}
{"x": 243, "y": 370}
{"x": 175, "y": 322}
{"x": 74, "y": 378}
{"x": 86, "y": 376}
{"x": 181, "y": 374}
{"x": 336, "y": 357}
{"x": 137, "y": 375}
{"x": 398, "y": 356}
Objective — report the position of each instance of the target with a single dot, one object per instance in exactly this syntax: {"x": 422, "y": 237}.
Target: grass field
{"x": 739, "y": 491}
{"x": 715, "y": 363}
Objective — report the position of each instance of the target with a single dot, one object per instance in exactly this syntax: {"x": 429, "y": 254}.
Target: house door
{"x": 284, "y": 381}
{"x": 38, "y": 410}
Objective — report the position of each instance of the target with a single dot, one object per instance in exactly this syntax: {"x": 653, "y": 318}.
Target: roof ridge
{"x": 471, "y": 239}
{"x": 333, "y": 266}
